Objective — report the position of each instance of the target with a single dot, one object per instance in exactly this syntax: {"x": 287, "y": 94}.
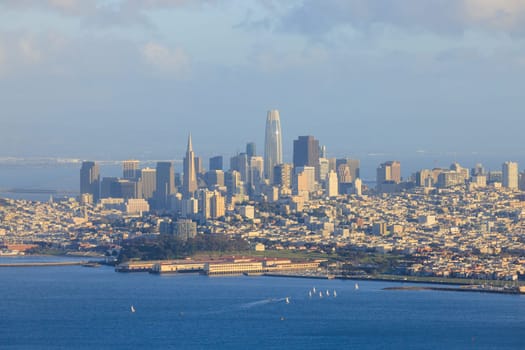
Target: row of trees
{"x": 169, "y": 247}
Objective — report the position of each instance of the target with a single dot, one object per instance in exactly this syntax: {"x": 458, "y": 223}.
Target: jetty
{"x": 42, "y": 264}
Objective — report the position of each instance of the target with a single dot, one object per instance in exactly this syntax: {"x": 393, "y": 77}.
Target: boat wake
{"x": 261, "y": 302}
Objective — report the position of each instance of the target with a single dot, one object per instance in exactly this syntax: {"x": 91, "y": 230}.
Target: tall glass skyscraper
{"x": 273, "y": 150}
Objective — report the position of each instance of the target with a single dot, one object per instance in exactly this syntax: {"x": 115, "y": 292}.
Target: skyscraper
{"x": 282, "y": 175}
{"x": 273, "y": 150}
{"x": 510, "y": 175}
{"x": 165, "y": 184}
{"x": 215, "y": 163}
{"x": 90, "y": 180}
{"x": 388, "y": 176}
{"x": 250, "y": 149}
{"x": 149, "y": 180}
{"x": 130, "y": 169}
{"x": 189, "y": 184}
{"x": 305, "y": 151}
{"x": 389, "y": 171}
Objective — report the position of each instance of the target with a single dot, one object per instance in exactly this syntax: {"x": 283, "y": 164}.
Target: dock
{"x": 43, "y": 264}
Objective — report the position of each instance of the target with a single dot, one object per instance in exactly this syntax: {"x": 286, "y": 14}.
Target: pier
{"x": 43, "y": 264}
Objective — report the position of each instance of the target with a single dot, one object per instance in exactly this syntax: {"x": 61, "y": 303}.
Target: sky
{"x": 119, "y": 79}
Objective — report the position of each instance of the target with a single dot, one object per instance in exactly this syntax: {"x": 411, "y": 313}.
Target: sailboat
{"x": 335, "y": 294}
{"x": 313, "y": 290}
{"x": 287, "y": 300}
{"x": 132, "y": 308}
{"x": 356, "y": 286}
{"x": 320, "y": 294}
{"x": 310, "y": 293}
{"x": 327, "y": 293}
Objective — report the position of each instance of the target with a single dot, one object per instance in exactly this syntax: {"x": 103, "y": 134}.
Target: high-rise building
{"x": 198, "y": 165}
{"x": 273, "y": 150}
{"x": 255, "y": 170}
{"x": 218, "y": 206}
{"x": 510, "y": 175}
{"x": 148, "y": 177}
{"x": 240, "y": 164}
{"x": 478, "y": 170}
{"x": 216, "y": 163}
{"x": 324, "y": 168}
{"x": 388, "y": 176}
{"x": 90, "y": 180}
{"x": 130, "y": 169}
{"x": 109, "y": 187}
{"x": 250, "y": 149}
{"x": 389, "y": 171}
{"x": 282, "y": 175}
{"x": 353, "y": 168}
{"x": 332, "y": 186}
{"x": 165, "y": 184}
{"x": 304, "y": 180}
{"x": 214, "y": 178}
{"x": 233, "y": 182}
{"x": 306, "y": 153}
{"x": 189, "y": 185}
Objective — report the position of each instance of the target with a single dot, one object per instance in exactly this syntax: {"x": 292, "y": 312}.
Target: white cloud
{"x": 28, "y": 50}
{"x": 508, "y": 15}
{"x": 439, "y": 16}
{"x": 171, "y": 61}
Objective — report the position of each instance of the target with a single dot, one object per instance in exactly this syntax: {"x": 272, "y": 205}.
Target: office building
{"x": 165, "y": 184}
{"x": 389, "y": 171}
{"x": 273, "y": 151}
{"x": 304, "y": 180}
{"x": 250, "y": 149}
{"x": 306, "y": 153}
{"x": 90, "y": 180}
{"x": 332, "y": 184}
{"x": 215, "y": 163}
{"x": 214, "y": 178}
{"x": 353, "y": 168}
{"x": 510, "y": 175}
{"x": 255, "y": 170}
{"x": 283, "y": 175}
{"x": 130, "y": 169}
{"x": 189, "y": 183}
{"x": 240, "y": 163}
{"x": 198, "y": 165}
{"x": 148, "y": 178}
{"x": 388, "y": 176}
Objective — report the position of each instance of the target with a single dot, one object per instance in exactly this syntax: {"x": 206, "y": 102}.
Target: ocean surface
{"x": 77, "y": 307}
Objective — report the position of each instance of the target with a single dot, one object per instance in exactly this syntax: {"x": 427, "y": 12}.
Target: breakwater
{"x": 42, "y": 264}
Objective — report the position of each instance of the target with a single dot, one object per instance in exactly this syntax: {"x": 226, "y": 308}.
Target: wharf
{"x": 321, "y": 277}
{"x": 43, "y": 264}
{"x": 477, "y": 289}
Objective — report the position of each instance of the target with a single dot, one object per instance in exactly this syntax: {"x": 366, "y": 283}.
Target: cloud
{"x": 314, "y": 17}
{"x": 100, "y": 13}
{"x": 170, "y": 61}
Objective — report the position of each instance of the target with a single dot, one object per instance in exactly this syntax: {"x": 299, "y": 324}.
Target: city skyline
{"x": 361, "y": 76}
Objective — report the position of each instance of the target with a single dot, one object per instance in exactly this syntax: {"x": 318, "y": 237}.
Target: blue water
{"x": 89, "y": 308}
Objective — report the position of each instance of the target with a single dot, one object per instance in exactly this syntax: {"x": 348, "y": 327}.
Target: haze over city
{"x": 131, "y": 79}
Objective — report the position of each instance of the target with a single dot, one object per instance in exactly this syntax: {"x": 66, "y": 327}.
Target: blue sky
{"x": 130, "y": 79}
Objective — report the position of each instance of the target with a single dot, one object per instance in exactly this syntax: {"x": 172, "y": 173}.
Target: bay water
{"x": 75, "y": 307}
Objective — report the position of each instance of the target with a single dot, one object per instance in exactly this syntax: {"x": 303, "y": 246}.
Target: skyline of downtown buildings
{"x": 268, "y": 177}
